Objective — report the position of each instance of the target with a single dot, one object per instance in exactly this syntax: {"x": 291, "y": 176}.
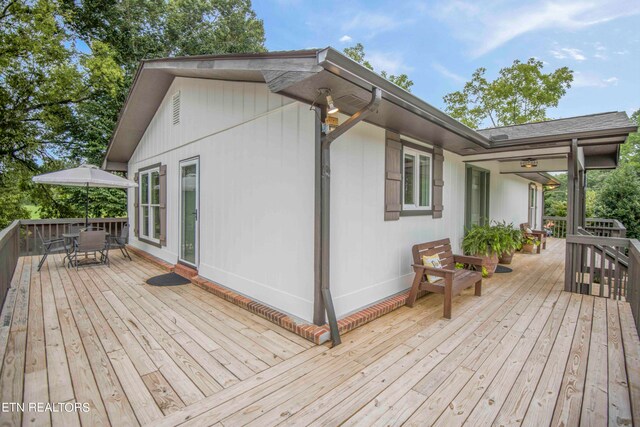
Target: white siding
{"x": 256, "y": 154}
{"x": 371, "y": 258}
{"x": 508, "y": 195}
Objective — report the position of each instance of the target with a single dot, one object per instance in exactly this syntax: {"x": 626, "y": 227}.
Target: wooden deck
{"x": 524, "y": 353}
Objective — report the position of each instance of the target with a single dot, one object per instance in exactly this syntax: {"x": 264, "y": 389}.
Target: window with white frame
{"x": 416, "y": 179}
{"x": 150, "y": 204}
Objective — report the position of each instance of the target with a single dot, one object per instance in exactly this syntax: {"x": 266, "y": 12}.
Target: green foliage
{"x": 510, "y": 236}
{"x": 66, "y": 67}
{"x": 520, "y": 94}
{"x": 619, "y": 198}
{"x": 484, "y": 240}
{"x": 357, "y": 54}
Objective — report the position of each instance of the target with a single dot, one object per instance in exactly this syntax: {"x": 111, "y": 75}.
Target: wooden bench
{"x": 536, "y": 234}
{"x": 454, "y": 280}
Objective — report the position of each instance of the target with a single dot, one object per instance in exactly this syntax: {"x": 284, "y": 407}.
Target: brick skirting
{"x": 313, "y": 333}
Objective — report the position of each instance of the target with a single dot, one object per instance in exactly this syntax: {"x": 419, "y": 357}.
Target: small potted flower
{"x": 529, "y": 244}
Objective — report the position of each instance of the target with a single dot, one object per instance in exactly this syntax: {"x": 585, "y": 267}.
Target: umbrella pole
{"x": 86, "y": 209}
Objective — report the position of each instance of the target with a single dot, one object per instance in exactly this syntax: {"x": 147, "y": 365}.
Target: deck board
{"x": 526, "y": 352}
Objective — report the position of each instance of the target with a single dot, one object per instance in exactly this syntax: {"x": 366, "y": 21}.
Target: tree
{"x": 66, "y": 67}
{"x": 357, "y": 54}
{"x": 520, "y": 94}
{"x": 619, "y": 198}
{"x": 630, "y": 150}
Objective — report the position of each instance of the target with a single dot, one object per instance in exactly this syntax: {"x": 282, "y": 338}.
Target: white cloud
{"x": 448, "y": 73}
{"x": 391, "y": 62}
{"x": 568, "y": 52}
{"x": 601, "y": 51}
{"x": 345, "y": 39}
{"x": 581, "y": 79}
{"x": 489, "y": 24}
{"x": 372, "y": 23}
{"x": 621, "y": 52}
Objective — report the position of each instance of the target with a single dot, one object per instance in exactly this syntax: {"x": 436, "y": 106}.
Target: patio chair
{"x": 445, "y": 279}
{"x": 539, "y": 235}
{"x": 50, "y": 246}
{"x": 120, "y": 242}
{"x": 88, "y": 242}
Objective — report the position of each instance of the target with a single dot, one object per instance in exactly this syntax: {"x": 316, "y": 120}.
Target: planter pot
{"x": 490, "y": 263}
{"x": 506, "y": 257}
{"x": 529, "y": 248}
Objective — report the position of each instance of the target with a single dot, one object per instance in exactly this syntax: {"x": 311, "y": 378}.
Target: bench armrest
{"x": 472, "y": 260}
{"x": 440, "y": 272}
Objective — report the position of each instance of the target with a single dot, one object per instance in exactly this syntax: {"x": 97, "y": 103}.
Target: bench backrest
{"x": 440, "y": 247}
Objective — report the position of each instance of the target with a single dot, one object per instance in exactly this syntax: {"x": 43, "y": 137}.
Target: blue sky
{"x": 440, "y": 43}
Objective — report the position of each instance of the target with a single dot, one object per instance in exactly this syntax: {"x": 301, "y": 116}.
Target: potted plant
{"x": 486, "y": 242}
{"x": 529, "y": 244}
{"x": 511, "y": 241}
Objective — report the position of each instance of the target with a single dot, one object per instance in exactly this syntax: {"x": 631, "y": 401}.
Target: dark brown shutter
{"x": 438, "y": 181}
{"x": 392, "y": 177}
{"x": 136, "y": 205}
{"x": 163, "y": 205}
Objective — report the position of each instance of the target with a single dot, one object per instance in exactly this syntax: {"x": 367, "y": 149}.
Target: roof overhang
{"x": 542, "y": 178}
{"x": 299, "y": 75}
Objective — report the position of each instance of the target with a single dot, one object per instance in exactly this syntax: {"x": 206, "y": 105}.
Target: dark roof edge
{"x": 550, "y": 120}
{"x": 514, "y": 143}
{"x": 330, "y": 57}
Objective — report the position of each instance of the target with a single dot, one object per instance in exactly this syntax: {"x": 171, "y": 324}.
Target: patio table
{"x": 73, "y": 236}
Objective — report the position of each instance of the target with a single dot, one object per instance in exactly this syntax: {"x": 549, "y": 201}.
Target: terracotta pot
{"x": 506, "y": 257}
{"x": 490, "y": 263}
{"x": 528, "y": 248}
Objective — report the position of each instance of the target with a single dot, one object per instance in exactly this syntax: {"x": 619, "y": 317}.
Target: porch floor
{"x": 526, "y": 352}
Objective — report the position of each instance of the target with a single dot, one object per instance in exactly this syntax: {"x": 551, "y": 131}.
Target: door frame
{"x": 487, "y": 194}
{"x": 533, "y": 209}
{"x": 186, "y": 162}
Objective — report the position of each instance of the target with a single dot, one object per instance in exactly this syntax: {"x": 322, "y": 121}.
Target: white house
{"x": 231, "y": 154}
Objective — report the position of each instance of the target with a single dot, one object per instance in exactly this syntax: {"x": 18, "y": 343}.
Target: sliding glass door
{"x": 477, "y": 197}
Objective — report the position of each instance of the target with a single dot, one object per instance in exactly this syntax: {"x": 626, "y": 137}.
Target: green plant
{"x": 484, "y": 240}
{"x": 510, "y": 236}
{"x": 485, "y": 272}
{"x": 530, "y": 240}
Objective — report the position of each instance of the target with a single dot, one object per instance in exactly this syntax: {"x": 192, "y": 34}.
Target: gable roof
{"x": 579, "y": 125}
{"x": 299, "y": 74}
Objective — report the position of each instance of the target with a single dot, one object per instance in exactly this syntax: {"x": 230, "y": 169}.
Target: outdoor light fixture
{"x": 331, "y": 107}
{"x": 529, "y": 163}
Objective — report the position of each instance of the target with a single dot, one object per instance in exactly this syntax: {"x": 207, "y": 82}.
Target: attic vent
{"x": 351, "y": 100}
{"x": 499, "y": 137}
{"x": 175, "y": 102}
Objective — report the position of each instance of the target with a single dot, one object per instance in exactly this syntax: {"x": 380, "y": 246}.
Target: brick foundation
{"x": 313, "y": 333}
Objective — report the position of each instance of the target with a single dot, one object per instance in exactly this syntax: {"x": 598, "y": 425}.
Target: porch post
{"x": 572, "y": 197}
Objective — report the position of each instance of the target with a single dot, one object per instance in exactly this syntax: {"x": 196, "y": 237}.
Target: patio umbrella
{"x": 84, "y": 176}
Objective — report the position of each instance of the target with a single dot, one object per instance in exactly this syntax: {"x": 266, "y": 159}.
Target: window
{"x": 416, "y": 180}
{"x": 477, "y": 197}
{"x": 150, "y": 204}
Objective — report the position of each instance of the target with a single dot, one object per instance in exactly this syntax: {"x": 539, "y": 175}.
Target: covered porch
{"x": 526, "y": 352}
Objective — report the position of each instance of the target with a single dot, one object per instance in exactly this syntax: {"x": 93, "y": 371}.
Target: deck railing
{"x": 604, "y": 227}
{"x": 9, "y": 253}
{"x": 633, "y": 292}
{"x": 20, "y": 238}
{"x": 53, "y": 228}
{"x": 607, "y": 267}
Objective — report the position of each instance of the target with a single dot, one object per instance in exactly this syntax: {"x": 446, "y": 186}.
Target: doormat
{"x": 503, "y": 269}
{"x": 169, "y": 279}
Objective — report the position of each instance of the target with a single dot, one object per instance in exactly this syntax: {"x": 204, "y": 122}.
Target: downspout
{"x": 325, "y": 208}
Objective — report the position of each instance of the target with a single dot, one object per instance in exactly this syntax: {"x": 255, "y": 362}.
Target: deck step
{"x": 185, "y": 271}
